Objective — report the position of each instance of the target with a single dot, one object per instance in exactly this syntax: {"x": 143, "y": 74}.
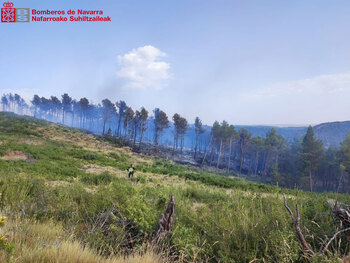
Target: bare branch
{"x": 296, "y": 221}
{"x": 325, "y": 248}
{"x": 287, "y": 207}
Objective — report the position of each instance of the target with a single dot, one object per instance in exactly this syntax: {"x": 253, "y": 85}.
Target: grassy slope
{"x": 75, "y": 177}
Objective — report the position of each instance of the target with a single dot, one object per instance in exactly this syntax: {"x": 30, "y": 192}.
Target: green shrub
{"x": 141, "y": 179}
{"x": 90, "y": 156}
{"x": 96, "y": 179}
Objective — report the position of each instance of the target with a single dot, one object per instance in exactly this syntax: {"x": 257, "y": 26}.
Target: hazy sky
{"x": 247, "y": 62}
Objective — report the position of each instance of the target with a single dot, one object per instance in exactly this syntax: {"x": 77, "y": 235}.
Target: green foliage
{"x": 141, "y": 179}
{"x": 96, "y": 179}
{"x": 90, "y": 156}
{"x": 345, "y": 153}
{"x": 4, "y": 243}
{"x": 312, "y": 149}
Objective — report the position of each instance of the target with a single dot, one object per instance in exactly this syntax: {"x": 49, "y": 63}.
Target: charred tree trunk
{"x": 166, "y": 221}
{"x": 256, "y": 163}
{"x": 135, "y": 134}
{"x": 175, "y": 139}
{"x": 219, "y": 157}
{"x": 207, "y": 150}
{"x": 182, "y": 142}
{"x": 229, "y": 156}
{"x": 212, "y": 155}
{"x": 241, "y": 162}
{"x": 310, "y": 178}
{"x": 104, "y": 127}
{"x": 141, "y": 135}
{"x": 62, "y": 116}
{"x": 196, "y": 145}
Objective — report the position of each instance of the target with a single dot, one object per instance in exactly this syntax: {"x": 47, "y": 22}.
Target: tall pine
{"x": 312, "y": 153}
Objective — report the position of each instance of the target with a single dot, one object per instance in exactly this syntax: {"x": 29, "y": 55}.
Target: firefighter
{"x": 131, "y": 170}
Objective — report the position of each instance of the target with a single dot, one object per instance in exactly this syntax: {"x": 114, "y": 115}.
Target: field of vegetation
{"x": 57, "y": 184}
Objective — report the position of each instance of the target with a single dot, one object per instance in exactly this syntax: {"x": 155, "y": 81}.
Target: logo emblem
{"x": 22, "y": 14}
{"x": 8, "y": 13}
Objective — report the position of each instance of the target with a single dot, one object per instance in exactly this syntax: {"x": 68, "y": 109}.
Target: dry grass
{"x": 151, "y": 178}
{"x": 57, "y": 183}
{"x": 73, "y": 252}
{"x": 47, "y": 243}
{"x": 30, "y": 142}
{"x": 197, "y": 205}
{"x": 14, "y": 156}
{"x": 90, "y": 143}
{"x": 96, "y": 169}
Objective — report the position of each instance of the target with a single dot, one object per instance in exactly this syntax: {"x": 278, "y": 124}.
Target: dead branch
{"x": 341, "y": 214}
{"x": 166, "y": 221}
{"x": 296, "y": 222}
{"x": 325, "y": 248}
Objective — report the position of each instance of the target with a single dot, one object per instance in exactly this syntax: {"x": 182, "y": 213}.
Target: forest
{"x": 303, "y": 163}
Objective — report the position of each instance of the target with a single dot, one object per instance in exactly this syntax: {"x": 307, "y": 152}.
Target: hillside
{"x": 332, "y": 133}
{"x": 290, "y": 133}
{"x": 58, "y": 185}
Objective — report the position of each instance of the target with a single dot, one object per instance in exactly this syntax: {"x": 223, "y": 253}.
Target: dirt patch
{"x": 91, "y": 190}
{"x": 96, "y": 169}
{"x": 195, "y": 206}
{"x": 14, "y": 156}
{"x": 30, "y": 142}
{"x": 255, "y": 195}
{"x": 57, "y": 183}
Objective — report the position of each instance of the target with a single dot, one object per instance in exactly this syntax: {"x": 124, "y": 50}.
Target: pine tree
{"x": 176, "y": 120}
{"x": 311, "y": 154}
{"x": 143, "y": 123}
{"x": 244, "y": 141}
{"x": 198, "y": 130}
{"x": 108, "y": 110}
{"x": 161, "y": 122}
{"x": 121, "y": 105}
{"x": 36, "y": 104}
{"x": 66, "y": 105}
{"x": 345, "y": 157}
{"x": 232, "y": 136}
{"x": 129, "y": 115}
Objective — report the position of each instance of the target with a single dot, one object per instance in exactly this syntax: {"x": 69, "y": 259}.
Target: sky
{"x": 246, "y": 62}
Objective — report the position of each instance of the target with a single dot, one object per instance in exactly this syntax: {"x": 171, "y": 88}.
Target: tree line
{"x": 303, "y": 163}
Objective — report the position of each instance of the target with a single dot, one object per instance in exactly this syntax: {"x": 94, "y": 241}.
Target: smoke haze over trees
{"x": 302, "y": 162}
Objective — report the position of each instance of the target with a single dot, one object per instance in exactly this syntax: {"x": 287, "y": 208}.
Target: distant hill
{"x": 332, "y": 133}
{"x": 290, "y": 133}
